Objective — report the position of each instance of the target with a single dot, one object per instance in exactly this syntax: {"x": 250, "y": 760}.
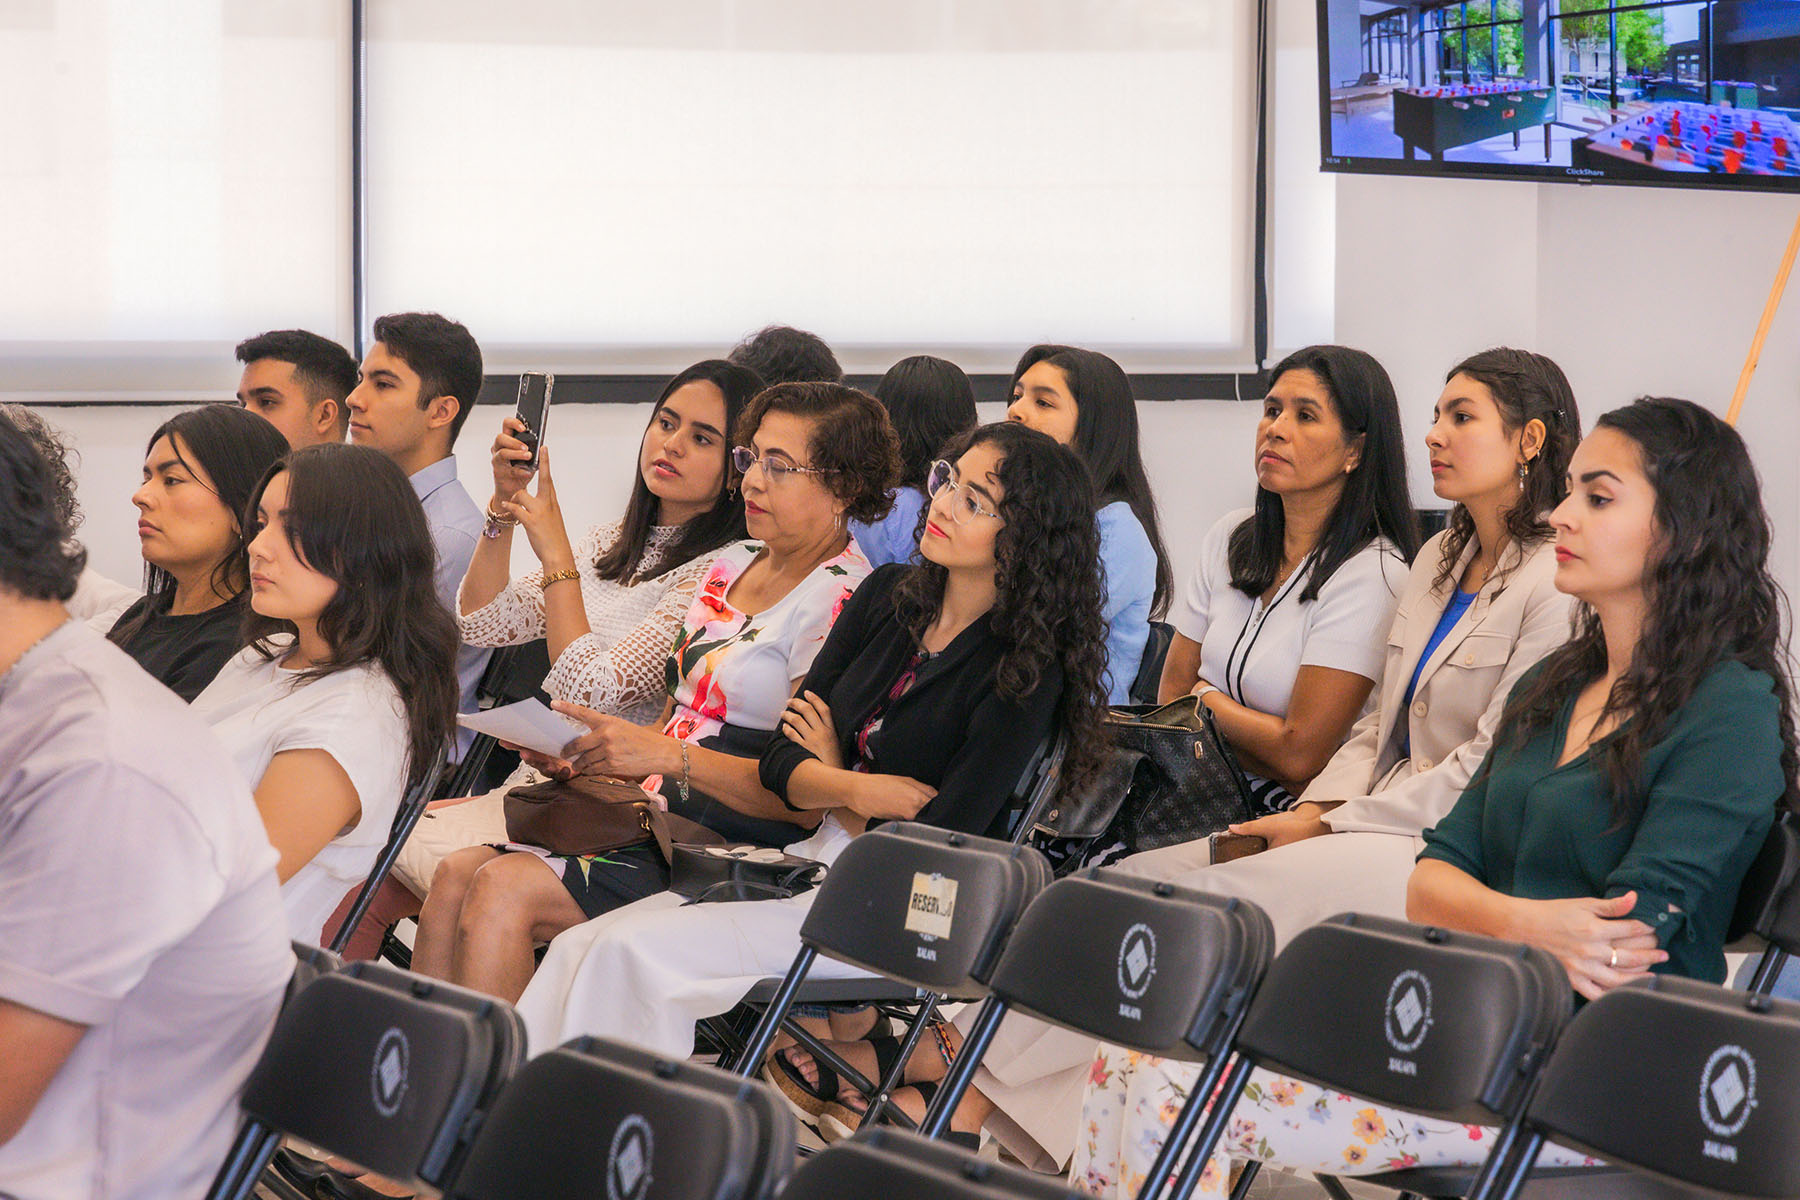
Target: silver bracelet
{"x": 1204, "y": 692}
{"x": 684, "y": 774}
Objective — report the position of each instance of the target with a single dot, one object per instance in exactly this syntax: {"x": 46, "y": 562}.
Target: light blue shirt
{"x": 892, "y": 539}
{"x": 1129, "y": 563}
{"x": 455, "y": 524}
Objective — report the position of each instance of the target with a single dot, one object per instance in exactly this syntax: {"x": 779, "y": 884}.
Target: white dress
{"x": 259, "y": 709}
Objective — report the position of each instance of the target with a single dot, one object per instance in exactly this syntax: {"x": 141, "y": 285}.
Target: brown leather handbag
{"x": 587, "y": 815}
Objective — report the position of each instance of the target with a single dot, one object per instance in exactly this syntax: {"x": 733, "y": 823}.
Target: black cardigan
{"x": 951, "y": 729}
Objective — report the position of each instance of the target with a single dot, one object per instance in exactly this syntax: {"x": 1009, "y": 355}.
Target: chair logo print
{"x": 1408, "y": 1018}
{"x": 1727, "y": 1096}
{"x": 628, "y": 1161}
{"x": 1137, "y": 967}
{"x": 387, "y": 1077}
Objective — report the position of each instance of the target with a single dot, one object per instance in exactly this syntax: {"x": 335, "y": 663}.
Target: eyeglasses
{"x": 964, "y": 507}
{"x": 743, "y": 458}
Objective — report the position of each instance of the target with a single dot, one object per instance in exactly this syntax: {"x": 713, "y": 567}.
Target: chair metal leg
{"x": 878, "y": 1104}
{"x": 1224, "y": 1102}
{"x": 962, "y": 1069}
{"x": 756, "y": 1046}
{"x": 1768, "y": 969}
{"x": 249, "y": 1154}
{"x": 1247, "y": 1176}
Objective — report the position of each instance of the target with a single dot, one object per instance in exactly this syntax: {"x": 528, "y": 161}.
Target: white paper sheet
{"x": 529, "y": 723}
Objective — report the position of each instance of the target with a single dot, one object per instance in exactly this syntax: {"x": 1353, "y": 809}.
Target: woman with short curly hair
{"x": 810, "y": 458}
{"x": 928, "y": 701}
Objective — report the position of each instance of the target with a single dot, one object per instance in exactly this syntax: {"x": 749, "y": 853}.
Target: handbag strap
{"x": 667, "y": 828}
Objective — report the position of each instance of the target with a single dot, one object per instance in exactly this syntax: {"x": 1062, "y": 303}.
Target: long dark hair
{"x": 352, "y": 516}
{"x": 1049, "y": 591}
{"x": 235, "y": 449}
{"x": 1525, "y": 387}
{"x": 929, "y": 400}
{"x": 1374, "y": 502}
{"x": 1709, "y": 598}
{"x": 1106, "y": 437}
{"x": 623, "y": 561}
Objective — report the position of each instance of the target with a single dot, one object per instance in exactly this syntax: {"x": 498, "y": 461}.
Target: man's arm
{"x": 37, "y": 1045}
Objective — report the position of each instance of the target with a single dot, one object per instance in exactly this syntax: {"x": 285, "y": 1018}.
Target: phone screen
{"x": 534, "y": 409}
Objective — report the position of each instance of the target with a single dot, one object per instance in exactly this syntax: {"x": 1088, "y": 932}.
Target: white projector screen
{"x": 609, "y": 184}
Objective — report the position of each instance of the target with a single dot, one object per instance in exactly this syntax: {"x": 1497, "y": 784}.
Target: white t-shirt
{"x": 259, "y": 709}
{"x": 1253, "y": 651}
{"x": 138, "y": 898}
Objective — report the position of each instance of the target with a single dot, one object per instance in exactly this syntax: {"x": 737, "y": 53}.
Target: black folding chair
{"x": 926, "y": 908}
{"x": 1694, "y": 1085}
{"x": 1146, "y": 965}
{"x": 513, "y": 673}
{"x": 895, "y": 1165}
{"x": 602, "y": 1118}
{"x": 1149, "y": 675}
{"x": 1446, "y": 1025}
{"x": 406, "y": 818}
{"x": 1768, "y": 907}
{"x": 310, "y": 962}
{"x": 388, "y": 1070}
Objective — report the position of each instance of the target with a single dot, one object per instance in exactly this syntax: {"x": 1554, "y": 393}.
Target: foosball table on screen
{"x": 1677, "y": 137}
{"x": 1436, "y": 119}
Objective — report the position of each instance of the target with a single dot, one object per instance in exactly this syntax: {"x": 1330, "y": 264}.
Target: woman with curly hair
{"x": 1633, "y": 778}
{"x": 929, "y": 699}
{"x": 810, "y": 457}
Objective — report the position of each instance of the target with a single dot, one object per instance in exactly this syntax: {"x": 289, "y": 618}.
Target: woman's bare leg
{"x": 435, "y": 947}
{"x": 514, "y": 902}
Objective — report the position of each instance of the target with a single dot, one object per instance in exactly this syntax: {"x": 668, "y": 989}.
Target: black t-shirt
{"x": 185, "y": 652}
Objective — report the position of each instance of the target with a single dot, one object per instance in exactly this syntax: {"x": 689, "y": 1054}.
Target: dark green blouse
{"x": 1531, "y": 829}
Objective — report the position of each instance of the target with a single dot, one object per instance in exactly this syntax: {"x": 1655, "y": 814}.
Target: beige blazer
{"x": 1515, "y": 620}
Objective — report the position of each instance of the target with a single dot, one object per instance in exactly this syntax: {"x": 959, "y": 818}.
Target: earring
{"x": 1522, "y": 470}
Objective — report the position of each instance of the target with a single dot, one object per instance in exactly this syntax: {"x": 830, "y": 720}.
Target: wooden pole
{"x": 1762, "y": 328}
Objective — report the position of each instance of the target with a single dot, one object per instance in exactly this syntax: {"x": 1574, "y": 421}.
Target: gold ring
{"x": 1612, "y": 959}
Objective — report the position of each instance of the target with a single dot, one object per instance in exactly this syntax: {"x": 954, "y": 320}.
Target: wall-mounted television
{"x": 1683, "y": 93}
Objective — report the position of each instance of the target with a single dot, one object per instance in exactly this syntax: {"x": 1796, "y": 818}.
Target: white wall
{"x": 1631, "y": 290}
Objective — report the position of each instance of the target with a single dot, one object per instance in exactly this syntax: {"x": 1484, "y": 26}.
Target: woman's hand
{"x": 541, "y": 518}
{"x": 886, "y": 797}
{"x": 808, "y": 722}
{"x": 1295, "y": 825}
{"x": 509, "y": 456}
{"x": 1598, "y": 944}
{"x": 546, "y": 765}
{"x": 616, "y": 748}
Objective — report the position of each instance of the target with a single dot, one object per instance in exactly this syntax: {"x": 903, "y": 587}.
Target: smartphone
{"x": 1227, "y": 847}
{"x": 534, "y": 410}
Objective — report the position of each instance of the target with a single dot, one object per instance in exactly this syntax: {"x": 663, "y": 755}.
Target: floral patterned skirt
{"x": 1133, "y": 1099}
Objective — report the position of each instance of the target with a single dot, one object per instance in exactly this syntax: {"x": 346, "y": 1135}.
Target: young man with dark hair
{"x": 783, "y": 354}
{"x": 143, "y": 947}
{"x": 297, "y": 381}
{"x": 419, "y": 383}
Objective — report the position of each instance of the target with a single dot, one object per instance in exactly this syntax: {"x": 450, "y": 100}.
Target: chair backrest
{"x": 1141, "y": 964}
{"x": 600, "y": 1118}
{"x": 389, "y": 1070}
{"x": 925, "y": 906}
{"x": 1149, "y": 672}
{"x": 310, "y": 962}
{"x": 1448, "y": 1025}
{"x": 1769, "y": 900}
{"x": 1690, "y": 1082}
{"x": 894, "y": 1165}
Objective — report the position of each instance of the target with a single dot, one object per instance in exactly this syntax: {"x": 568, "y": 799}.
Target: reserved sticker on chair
{"x": 932, "y": 906}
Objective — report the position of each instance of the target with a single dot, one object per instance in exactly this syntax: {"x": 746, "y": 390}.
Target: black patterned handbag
{"x": 1170, "y": 777}
{"x": 711, "y": 874}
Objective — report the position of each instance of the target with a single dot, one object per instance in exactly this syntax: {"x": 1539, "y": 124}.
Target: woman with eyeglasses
{"x": 932, "y": 693}
{"x": 813, "y": 457}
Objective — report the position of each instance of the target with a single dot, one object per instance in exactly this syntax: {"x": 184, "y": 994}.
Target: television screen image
{"x": 1696, "y": 93}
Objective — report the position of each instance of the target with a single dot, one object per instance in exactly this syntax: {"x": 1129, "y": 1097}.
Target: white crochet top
{"x": 618, "y": 667}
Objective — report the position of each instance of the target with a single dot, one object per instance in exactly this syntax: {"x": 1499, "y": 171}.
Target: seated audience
{"x": 97, "y": 600}
{"x": 298, "y": 382}
{"x": 1279, "y": 630}
{"x": 929, "y": 400}
{"x": 142, "y": 950}
{"x": 783, "y": 354}
{"x": 1083, "y": 400}
{"x": 1328, "y": 450}
{"x": 929, "y": 699}
{"x": 199, "y": 472}
{"x": 1633, "y": 776}
{"x": 345, "y": 696}
{"x": 609, "y": 637}
{"x": 419, "y": 383}
{"x": 812, "y": 457}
